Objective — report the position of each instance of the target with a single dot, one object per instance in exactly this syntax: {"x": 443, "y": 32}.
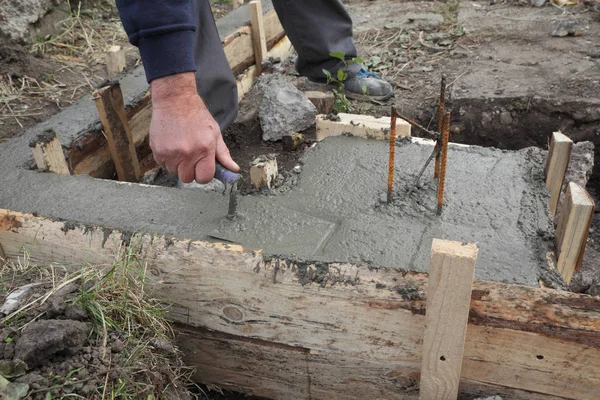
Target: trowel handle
{"x": 224, "y": 175}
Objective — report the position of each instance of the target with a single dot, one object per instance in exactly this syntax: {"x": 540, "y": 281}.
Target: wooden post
{"x": 48, "y": 153}
{"x": 258, "y": 33}
{"x": 572, "y": 230}
{"x": 109, "y": 101}
{"x": 263, "y": 172}
{"x": 557, "y": 162}
{"x": 115, "y": 61}
{"x": 448, "y": 302}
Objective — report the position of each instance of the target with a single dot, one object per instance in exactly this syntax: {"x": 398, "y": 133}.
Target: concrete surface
{"x": 335, "y": 213}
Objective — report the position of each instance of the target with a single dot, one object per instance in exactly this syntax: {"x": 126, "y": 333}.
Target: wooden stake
{"x": 258, "y": 33}
{"x": 448, "y": 302}
{"x": 557, "y": 162}
{"x": 48, "y": 153}
{"x": 572, "y": 230}
{"x": 109, "y": 101}
{"x": 115, "y": 61}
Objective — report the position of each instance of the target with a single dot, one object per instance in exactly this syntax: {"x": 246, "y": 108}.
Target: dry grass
{"x": 119, "y": 301}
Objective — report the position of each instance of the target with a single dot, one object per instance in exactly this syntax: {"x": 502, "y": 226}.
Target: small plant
{"x": 341, "y": 103}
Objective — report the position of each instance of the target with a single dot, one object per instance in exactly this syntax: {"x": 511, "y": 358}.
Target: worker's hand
{"x": 184, "y": 136}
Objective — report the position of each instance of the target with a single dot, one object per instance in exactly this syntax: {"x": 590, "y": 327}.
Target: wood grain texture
{"x": 363, "y": 327}
{"x": 115, "y": 61}
{"x": 49, "y": 155}
{"x": 109, "y": 102}
{"x": 364, "y": 126}
{"x": 559, "y": 153}
{"x": 572, "y": 230}
{"x": 448, "y": 301}
{"x": 257, "y": 27}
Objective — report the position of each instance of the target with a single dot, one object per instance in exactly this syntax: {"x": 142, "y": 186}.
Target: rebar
{"x": 391, "y": 160}
{"x": 434, "y": 135}
{"x": 440, "y": 124}
{"x": 444, "y": 157}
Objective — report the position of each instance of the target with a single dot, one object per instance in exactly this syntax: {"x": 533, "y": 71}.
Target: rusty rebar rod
{"x": 440, "y": 124}
{"x": 434, "y": 135}
{"x": 391, "y": 160}
{"x": 444, "y": 157}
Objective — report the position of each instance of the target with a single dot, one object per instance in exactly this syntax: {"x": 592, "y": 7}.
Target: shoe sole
{"x": 356, "y": 96}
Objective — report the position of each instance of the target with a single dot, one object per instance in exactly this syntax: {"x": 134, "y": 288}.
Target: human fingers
{"x": 224, "y": 157}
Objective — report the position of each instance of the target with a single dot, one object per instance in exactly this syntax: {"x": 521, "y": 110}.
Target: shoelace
{"x": 363, "y": 73}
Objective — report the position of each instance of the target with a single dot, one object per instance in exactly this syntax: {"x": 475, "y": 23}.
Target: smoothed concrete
{"x": 493, "y": 198}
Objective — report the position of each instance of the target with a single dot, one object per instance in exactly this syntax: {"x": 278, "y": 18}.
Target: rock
{"x": 323, "y": 101}
{"x": 489, "y": 398}
{"x": 18, "y": 16}
{"x": 567, "y": 28}
{"x": 587, "y": 280}
{"x": 486, "y": 119}
{"x": 43, "y": 339}
{"x": 15, "y": 299}
{"x": 424, "y": 21}
{"x": 284, "y": 109}
{"x": 505, "y": 118}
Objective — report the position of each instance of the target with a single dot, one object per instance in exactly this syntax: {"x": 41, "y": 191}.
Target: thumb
{"x": 223, "y": 156}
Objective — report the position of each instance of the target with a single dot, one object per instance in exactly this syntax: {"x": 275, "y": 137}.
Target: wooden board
{"x": 364, "y": 126}
{"x": 258, "y": 33}
{"x": 572, "y": 230}
{"x": 448, "y": 301}
{"x": 557, "y": 161}
{"x": 48, "y": 155}
{"x": 111, "y": 108}
{"x": 362, "y": 326}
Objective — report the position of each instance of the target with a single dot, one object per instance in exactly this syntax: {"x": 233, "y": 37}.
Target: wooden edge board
{"x": 364, "y": 126}
{"x": 519, "y": 338}
{"x": 557, "y": 161}
{"x": 572, "y": 230}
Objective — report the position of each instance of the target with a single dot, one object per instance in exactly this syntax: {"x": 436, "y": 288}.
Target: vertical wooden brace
{"x": 109, "y": 102}
{"x": 448, "y": 303}
{"x": 572, "y": 230}
{"x": 258, "y": 33}
{"x": 559, "y": 153}
{"x": 48, "y": 153}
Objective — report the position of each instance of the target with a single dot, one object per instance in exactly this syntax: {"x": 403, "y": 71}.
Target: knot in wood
{"x": 233, "y": 313}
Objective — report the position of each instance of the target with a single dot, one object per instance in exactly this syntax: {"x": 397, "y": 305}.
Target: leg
{"x": 317, "y": 28}
{"x": 216, "y": 84}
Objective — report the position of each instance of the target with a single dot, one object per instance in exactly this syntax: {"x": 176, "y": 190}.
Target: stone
{"x": 43, "y": 339}
{"x": 486, "y": 119}
{"x": 18, "y": 16}
{"x": 424, "y": 21}
{"x": 505, "y": 118}
{"x": 489, "y": 398}
{"x": 567, "y": 28}
{"x": 284, "y": 109}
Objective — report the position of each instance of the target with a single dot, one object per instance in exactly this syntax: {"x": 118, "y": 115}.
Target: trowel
{"x": 230, "y": 180}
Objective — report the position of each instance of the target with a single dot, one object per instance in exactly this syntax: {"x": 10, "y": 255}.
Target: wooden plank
{"x": 520, "y": 340}
{"x": 109, "y": 102}
{"x": 557, "y": 161}
{"x": 448, "y": 301}
{"x": 116, "y": 61}
{"x": 239, "y": 48}
{"x": 48, "y": 153}
{"x": 572, "y": 230}
{"x": 364, "y": 126}
{"x": 263, "y": 172}
{"x": 259, "y": 40}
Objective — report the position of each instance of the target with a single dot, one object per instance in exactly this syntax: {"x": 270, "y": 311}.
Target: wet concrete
{"x": 335, "y": 213}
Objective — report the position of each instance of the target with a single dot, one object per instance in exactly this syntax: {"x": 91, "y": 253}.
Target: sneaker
{"x": 368, "y": 85}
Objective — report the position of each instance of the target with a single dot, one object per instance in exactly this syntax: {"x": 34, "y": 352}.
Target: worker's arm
{"x": 184, "y": 137}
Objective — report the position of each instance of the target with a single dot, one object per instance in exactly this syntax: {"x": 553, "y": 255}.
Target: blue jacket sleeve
{"x": 163, "y": 30}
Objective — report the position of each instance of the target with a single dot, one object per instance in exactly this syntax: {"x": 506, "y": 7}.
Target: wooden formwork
{"x": 284, "y": 329}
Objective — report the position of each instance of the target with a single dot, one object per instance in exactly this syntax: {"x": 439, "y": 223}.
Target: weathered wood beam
{"x": 259, "y": 40}
{"x": 572, "y": 230}
{"x": 448, "y": 301}
{"x": 364, "y": 126}
{"x": 116, "y": 61}
{"x": 111, "y": 108}
{"x": 48, "y": 153}
{"x": 557, "y": 161}
{"x": 345, "y": 328}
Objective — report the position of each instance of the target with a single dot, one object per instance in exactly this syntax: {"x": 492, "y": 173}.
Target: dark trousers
{"x": 315, "y": 28}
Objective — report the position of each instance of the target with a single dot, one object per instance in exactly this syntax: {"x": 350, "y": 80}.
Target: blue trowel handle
{"x": 224, "y": 175}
